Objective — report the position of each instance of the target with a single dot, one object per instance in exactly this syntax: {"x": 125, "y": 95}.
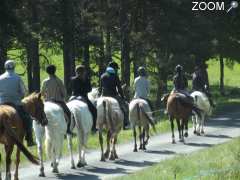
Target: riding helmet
{"x": 9, "y": 65}
{"x": 178, "y": 68}
{"x": 113, "y": 64}
{"x": 141, "y": 71}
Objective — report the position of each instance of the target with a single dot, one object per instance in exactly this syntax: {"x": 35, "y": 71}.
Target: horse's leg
{"x": 115, "y": 152}
{"x": 112, "y": 155}
{"x": 186, "y": 128}
{"x": 135, "y": 139}
{"x": 194, "y": 119}
{"x": 101, "y": 144}
{"x": 199, "y": 119}
{"x": 17, "y": 164}
{"x": 179, "y": 129}
{"x": 84, "y": 149}
{"x": 70, "y": 147}
{"x": 0, "y": 166}
{"x": 182, "y": 123}
{"x": 106, "y": 154}
{"x": 172, "y": 128}
{"x": 147, "y": 137}
{"x": 8, "y": 150}
{"x": 140, "y": 137}
{"x": 80, "y": 147}
{"x": 202, "y": 123}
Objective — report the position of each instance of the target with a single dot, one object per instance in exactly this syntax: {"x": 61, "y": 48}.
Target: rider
{"x": 54, "y": 90}
{"x": 200, "y": 82}
{"x": 110, "y": 85}
{"x": 180, "y": 83}
{"x": 81, "y": 86}
{"x": 141, "y": 86}
{"x": 12, "y": 90}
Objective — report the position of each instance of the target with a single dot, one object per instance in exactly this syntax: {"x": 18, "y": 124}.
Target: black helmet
{"x": 178, "y": 68}
{"x": 51, "y": 69}
{"x": 114, "y": 65}
{"x": 141, "y": 71}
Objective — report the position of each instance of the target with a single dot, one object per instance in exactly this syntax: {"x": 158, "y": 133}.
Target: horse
{"x": 54, "y": 134}
{"x": 110, "y": 117}
{"x": 83, "y": 120}
{"x": 202, "y": 102}
{"x": 178, "y": 109}
{"x": 139, "y": 115}
{"x": 12, "y": 129}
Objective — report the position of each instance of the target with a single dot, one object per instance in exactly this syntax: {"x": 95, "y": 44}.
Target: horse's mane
{"x": 30, "y": 98}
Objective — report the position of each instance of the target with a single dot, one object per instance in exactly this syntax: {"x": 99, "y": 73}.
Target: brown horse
{"x": 178, "y": 109}
{"x": 12, "y": 130}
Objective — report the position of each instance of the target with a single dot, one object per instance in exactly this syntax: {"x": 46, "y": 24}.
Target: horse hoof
{"x": 135, "y": 150}
{"x": 185, "y": 134}
{"x": 112, "y": 157}
{"x": 173, "y": 142}
{"x": 106, "y": 154}
{"x": 103, "y": 159}
{"x": 202, "y": 132}
{"x": 141, "y": 146}
{"x": 194, "y": 132}
{"x": 198, "y": 134}
{"x": 80, "y": 165}
{"x": 42, "y": 175}
{"x": 73, "y": 167}
{"x": 55, "y": 170}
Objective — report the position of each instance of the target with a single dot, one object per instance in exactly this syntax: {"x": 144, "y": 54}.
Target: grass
{"x": 217, "y": 163}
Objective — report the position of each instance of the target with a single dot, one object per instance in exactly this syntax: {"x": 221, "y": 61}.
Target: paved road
{"x": 219, "y": 130}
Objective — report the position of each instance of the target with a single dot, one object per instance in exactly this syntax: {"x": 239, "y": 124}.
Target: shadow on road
{"x": 218, "y": 136}
{"x": 167, "y": 152}
{"x": 101, "y": 170}
{"x": 135, "y": 163}
{"x": 199, "y": 144}
{"x": 77, "y": 176}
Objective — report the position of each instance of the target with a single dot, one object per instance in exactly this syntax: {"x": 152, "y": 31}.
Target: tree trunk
{"x": 125, "y": 44}
{"x": 86, "y": 56}
{"x": 108, "y": 45}
{"x": 3, "y": 55}
{"x": 68, "y": 43}
{"x": 222, "y": 91}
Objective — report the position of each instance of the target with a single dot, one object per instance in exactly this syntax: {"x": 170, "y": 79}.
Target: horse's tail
{"x": 19, "y": 144}
{"x": 150, "y": 120}
{"x": 107, "y": 110}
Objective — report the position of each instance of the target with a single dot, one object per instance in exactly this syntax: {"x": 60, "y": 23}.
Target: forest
{"x": 158, "y": 34}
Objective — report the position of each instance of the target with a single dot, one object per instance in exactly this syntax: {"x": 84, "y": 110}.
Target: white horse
{"x": 54, "y": 135}
{"x": 140, "y": 115}
{"x": 202, "y": 102}
{"x": 83, "y": 120}
{"x": 110, "y": 117}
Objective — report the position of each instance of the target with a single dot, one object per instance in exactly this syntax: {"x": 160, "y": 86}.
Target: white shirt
{"x": 141, "y": 86}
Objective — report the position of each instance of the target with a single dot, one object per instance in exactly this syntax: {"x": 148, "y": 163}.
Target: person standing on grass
{"x": 54, "y": 90}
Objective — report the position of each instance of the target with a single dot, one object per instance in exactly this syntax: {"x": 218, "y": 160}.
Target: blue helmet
{"x": 110, "y": 70}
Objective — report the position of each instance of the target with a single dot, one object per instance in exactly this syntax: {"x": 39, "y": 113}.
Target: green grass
{"x": 217, "y": 163}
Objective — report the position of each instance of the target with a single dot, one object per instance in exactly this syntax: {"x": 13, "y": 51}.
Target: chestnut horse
{"x": 178, "y": 109}
{"x": 12, "y": 130}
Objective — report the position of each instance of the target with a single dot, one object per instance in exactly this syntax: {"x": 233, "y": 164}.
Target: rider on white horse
{"x": 81, "y": 86}
{"x": 110, "y": 86}
{"x": 200, "y": 82}
{"x": 53, "y": 90}
{"x": 142, "y": 86}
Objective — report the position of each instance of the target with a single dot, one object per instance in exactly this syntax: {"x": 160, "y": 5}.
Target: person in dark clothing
{"x": 81, "y": 86}
{"x": 110, "y": 85}
{"x": 200, "y": 82}
{"x": 54, "y": 90}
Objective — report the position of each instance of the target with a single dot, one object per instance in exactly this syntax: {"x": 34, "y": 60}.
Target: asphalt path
{"x": 218, "y": 130}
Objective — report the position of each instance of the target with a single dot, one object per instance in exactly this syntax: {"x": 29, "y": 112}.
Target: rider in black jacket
{"x": 81, "y": 86}
{"x": 110, "y": 85}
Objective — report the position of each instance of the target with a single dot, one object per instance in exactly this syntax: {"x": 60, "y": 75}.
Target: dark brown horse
{"x": 180, "y": 110}
{"x": 12, "y": 130}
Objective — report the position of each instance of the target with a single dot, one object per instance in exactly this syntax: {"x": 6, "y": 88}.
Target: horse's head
{"x": 165, "y": 98}
{"x": 34, "y": 105}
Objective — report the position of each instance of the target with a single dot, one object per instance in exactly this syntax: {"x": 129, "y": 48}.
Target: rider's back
{"x": 10, "y": 88}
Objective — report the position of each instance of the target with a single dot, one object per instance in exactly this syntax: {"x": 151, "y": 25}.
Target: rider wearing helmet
{"x": 81, "y": 86}
{"x": 110, "y": 85}
{"x": 12, "y": 90}
{"x": 179, "y": 80}
{"x": 54, "y": 90}
{"x": 142, "y": 86}
{"x": 200, "y": 82}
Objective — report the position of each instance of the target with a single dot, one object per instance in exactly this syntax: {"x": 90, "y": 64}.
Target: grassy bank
{"x": 217, "y": 163}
